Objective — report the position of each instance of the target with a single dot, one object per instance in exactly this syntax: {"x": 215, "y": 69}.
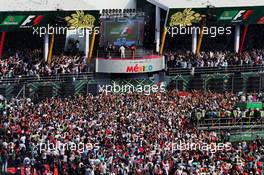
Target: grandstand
{"x": 124, "y": 87}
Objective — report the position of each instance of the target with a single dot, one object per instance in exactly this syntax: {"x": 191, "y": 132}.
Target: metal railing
{"x": 139, "y": 53}
{"x": 50, "y": 78}
{"x": 211, "y": 70}
{"x": 244, "y": 123}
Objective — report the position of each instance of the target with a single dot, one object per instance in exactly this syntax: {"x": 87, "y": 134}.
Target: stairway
{"x": 238, "y": 84}
{"x": 68, "y": 89}
{"x": 196, "y": 83}
{"x": 253, "y": 84}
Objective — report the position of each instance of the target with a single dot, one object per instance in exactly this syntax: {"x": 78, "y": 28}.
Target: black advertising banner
{"x": 217, "y": 16}
{"x": 16, "y": 21}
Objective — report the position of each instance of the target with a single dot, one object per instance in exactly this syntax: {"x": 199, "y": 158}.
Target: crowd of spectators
{"x": 31, "y": 63}
{"x": 127, "y": 134}
{"x": 186, "y": 59}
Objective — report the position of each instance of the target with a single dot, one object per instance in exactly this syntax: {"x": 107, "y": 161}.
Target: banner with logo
{"x": 144, "y": 65}
{"x": 217, "y": 16}
{"x": 16, "y": 21}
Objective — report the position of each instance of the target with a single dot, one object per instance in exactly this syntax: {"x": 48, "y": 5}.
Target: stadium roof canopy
{"x": 176, "y": 4}
{"x": 44, "y": 5}
{"x": 65, "y": 5}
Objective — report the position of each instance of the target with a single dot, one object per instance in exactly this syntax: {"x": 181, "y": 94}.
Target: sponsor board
{"x": 228, "y": 15}
{"x": 216, "y": 15}
{"x": 236, "y": 15}
{"x": 31, "y": 20}
{"x": 261, "y": 20}
{"x": 13, "y": 20}
{"x": 21, "y": 21}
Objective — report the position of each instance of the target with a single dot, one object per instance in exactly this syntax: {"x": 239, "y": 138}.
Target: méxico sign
{"x": 145, "y": 65}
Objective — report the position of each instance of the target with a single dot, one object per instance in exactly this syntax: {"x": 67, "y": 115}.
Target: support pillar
{"x": 200, "y": 41}
{"x": 91, "y": 47}
{"x": 194, "y": 40}
{"x": 2, "y": 44}
{"x": 87, "y": 43}
{"x": 163, "y": 40}
{"x": 157, "y": 29}
{"x": 51, "y": 48}
{"x": 237, "y": 38}
{"x": 46, "y": 47}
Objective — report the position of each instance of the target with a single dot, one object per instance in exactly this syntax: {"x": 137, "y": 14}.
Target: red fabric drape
{"x": 2, "y": 43}
{"x": 243, "y": 39}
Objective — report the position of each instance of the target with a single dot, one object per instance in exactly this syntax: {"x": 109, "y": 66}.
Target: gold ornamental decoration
{"x": 185, "y": 18}
{"x": 80, "y": 20}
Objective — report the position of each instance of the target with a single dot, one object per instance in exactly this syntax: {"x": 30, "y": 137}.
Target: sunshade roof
{"x": 44, "y": 5}
{"x": 66, "y": 5}
{"x": 175, "y": 4}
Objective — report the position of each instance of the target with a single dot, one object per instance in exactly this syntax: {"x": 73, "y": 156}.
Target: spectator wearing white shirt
{"x": 122, "y": 50}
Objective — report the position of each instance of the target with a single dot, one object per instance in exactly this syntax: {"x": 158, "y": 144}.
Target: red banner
{"x": 2, "y": 43}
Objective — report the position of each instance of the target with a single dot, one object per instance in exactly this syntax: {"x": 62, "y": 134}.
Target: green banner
{"x": 228, "y": 15}
{"x": 250, "y": 105}
{"x": 217, "y": 16}
{"x": 12, "y": 20}
{"x": 19, "y": 21}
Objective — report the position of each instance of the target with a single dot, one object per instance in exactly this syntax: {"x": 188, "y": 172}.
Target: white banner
{"x": 148, "y": 64}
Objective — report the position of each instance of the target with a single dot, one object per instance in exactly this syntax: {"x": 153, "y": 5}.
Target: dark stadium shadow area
{"x": 22, "y": 40}
{"x": 219, "y": 42}
{"x": 178, "y": 42}
{"x": 255, "y": 37}
{"x": 26, "y": 40}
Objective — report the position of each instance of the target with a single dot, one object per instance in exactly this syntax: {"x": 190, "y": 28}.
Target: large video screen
{"x": 123, "y": 32}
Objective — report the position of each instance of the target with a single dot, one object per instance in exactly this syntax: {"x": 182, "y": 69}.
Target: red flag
{"x": 34, "y": 172}
{"x": 22, "y": 170}
{"x": 12, "y": 170}
{"x": 56, "y": 172}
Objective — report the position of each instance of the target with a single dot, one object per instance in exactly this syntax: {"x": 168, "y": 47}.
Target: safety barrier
{"x": 214, "y": 70}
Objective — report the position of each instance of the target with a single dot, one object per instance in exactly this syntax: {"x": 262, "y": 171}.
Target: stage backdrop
{"x": 123, "y": 31}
